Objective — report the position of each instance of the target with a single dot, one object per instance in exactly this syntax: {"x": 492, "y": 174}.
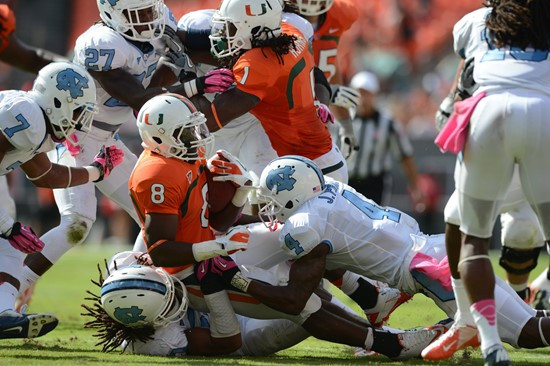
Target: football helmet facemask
{"x": 138, "y": 20}
{"x": 237, "y": 24}
{"x": 67, "y": 94}
{"x": 285, "y": 185}
{"x": 170, "y": 125}
{"x": 313, "y": 7}
{"x": 138, "y": 296}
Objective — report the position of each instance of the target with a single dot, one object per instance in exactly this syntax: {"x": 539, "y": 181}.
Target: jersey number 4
{"x": 373, "y": 211}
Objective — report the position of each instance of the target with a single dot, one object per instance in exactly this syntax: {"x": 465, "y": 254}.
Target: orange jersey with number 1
{"x": 338, "y": 19}
{"x": 286, "y": 110}
{"x": 174, "y": 187}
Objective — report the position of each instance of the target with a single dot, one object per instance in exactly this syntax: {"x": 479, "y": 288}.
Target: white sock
{"x": 484, "y": 314}
{"x": 28, "y": 278}
{"x": 463, "y": 314}
{"x": 349, "y": 282}
{"x": 8, "y": 294}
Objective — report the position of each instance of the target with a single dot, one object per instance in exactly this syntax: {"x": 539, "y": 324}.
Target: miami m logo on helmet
{"x": 249, "y": 10}
{"x": 281, "y": 178}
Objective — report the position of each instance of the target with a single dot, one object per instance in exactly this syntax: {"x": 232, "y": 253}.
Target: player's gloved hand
{"x": 348, "y": 143}
{"x": 466, "y": 83}
{"x": 215, "y": 81}
{"x": 23, "y": 238}
{"x": 106, "y": 160}
{"x": 172, "y": 40}
{"x": 228, "y": 168}
{"x": 73, "y": 149}
{"x": 234, "y": 240}
{"x": 180, "y": 64}
{"x": 324, "y": 112}
{"x": 209, "y": 281}
{"x": 344, "y": 96}
{"x": 444, "y": 111}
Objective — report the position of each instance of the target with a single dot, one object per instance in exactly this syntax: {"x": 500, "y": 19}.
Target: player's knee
{"x": 519, "y": 261}
{"x": 76, "y": 228}
{"x": 522, "y": 234}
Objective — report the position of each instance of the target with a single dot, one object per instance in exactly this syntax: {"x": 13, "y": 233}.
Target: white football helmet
{"x": 237, "y": 24}
{"x": 138, "y": 20}
{"x": 170, "y": 125}
{"x": 313, "y": 7}
{"x": 67, "y": 94}
{"x": 286, "y": 184}
{"x": 138, "y": 296}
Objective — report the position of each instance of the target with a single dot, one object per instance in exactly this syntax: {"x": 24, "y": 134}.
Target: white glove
{"x": 444, "y": 112}
{"x": 228, "y": 168}
{"x": 344, "y": 96}
{"x": 347, "y": 138}
{"x": 234, "y": 240}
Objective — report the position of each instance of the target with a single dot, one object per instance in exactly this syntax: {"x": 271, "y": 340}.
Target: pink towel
{"x": 453, "y": 136}
{"x": 434, "y": 269}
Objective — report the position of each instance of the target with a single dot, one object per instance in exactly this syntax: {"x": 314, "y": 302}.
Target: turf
{"x": 63, "y": 288}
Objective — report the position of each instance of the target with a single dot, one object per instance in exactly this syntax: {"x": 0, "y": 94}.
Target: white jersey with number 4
{"x": 24, "y": 127}
{"x": 363, "y": 237}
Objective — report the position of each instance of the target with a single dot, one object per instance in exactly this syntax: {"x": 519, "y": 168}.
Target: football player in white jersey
{"x": 121, "y": 52}
{"x": 506, "y": 130}
{"x": 329, "y": 225}
{"x": 62, "y": 100}
{"x": 258, "y": 337}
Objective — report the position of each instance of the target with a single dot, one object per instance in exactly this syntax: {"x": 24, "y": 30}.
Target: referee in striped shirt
{"x": 381, "y": 140}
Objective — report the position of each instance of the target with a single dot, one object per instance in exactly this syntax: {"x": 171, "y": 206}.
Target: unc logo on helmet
{"x": 112, "y": 2}
{"x": 71, "y": 81}
{"x": 281, "y": 178}
{"x": 129, "y": 315}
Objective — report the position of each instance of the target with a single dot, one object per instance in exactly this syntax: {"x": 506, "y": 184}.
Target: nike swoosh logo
{"x": 202, "y": 269}
{"x": 333, "y": 30}
{"x": 19, "y": 329}
{"x": 448, "y": 346}
{"x": 223, "y": 264}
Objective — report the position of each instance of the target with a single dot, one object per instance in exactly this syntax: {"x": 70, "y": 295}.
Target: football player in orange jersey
{"x": 330, "y": 19}
{"x": 273, "y": 67}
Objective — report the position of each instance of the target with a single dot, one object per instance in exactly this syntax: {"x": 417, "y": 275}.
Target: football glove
{"x": 344, "y": 96}
{"x": 348, "y": 143}
{"x": 234, "y": 240}
{"x": 106, "y": 160}
{"x": 324, "y": 112}
{"x": 228, "y": 168}
{"x": 23, "y": 238}
{"x": 444, "y": 111}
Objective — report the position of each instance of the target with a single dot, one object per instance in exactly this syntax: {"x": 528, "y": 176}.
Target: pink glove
{"x": 216, "y": 81}
{"x": 223, "y": 267}
{"x": 106, "y": 160}
{"x": 74, "y": 150}
{"x": 24, "y": 239}
{"x": 324, "y": 113}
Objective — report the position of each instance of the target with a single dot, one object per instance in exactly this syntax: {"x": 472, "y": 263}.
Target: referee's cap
{"x": 365, "y": 80}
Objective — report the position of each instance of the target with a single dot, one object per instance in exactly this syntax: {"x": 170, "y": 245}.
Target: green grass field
{"x": 61, "y": 291}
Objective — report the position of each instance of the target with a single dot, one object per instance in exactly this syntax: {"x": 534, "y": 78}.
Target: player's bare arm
{"x": 201, "y": 343}
{"x": 26, "y": 57}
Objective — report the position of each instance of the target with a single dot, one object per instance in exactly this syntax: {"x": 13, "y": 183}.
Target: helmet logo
{"x": 281, "y": 178}
{"x": 71, "y": 81}
{"x": 129, "y": 315}
{"x": 111, "y": 2}
{"x": 161, "y": 119}
{"x": 249, "y": 11}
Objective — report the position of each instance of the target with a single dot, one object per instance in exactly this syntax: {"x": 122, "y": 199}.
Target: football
{"x": 219, "y": 193}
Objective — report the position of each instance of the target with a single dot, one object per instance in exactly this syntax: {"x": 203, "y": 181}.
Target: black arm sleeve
{"x": 197, "y": 39}
{"x": 321, "y": 79}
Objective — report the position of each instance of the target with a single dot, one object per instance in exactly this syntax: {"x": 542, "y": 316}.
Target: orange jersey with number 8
{"x": 174, "y": 187}
{"x": 338, "y": 19}
{"x": 286, "y": 94}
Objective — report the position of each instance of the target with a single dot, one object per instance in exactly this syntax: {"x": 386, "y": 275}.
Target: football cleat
{"x": 361, "y": 352}
{"x": 388, "y": 300}
{"x": 24, "y": 298}
{"x": 16, "y": 325}
{"x": 497, "y": 356}
{"x": 414, "y": 341}
{"x": 456, "y": 338}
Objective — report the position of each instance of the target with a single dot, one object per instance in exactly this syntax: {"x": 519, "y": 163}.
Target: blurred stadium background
{"x": 406, "y": 43}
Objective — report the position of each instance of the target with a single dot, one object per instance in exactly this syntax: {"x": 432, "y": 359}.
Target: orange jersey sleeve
{"x": 286, "y": 109}
{"x": 338, "y": 19}
{"x": 7, "y": 25}
{"x": 173, "y": 187}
